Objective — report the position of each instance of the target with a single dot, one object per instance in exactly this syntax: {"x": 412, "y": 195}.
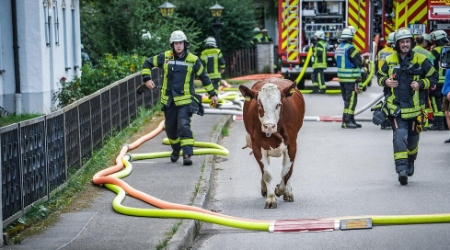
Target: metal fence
{"x": 240, "y": 62}
{"x": 36, "y": 154}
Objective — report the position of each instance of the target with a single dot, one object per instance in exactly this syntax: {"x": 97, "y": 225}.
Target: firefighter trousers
{"x": 436, "y": 101}
{"x": 349, "y": 96}
{"x": 405, "y": 142}
{"x": 318, "y": 79}
{"x": 178, "y": 127}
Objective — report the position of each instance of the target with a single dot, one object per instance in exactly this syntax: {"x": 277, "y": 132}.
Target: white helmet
{"x": 320, "y": 34}
{"x": 438, "y": 34}
{"x": 390, "y": 39}
{"x": 402, "y": 33}
{"x": 426, "y": 37}
{"x": 352, "y": 29}
{"x": 177, "y": 36}
{"x": 256, "y": 30}
{"x": 210, "y": 41}
{"x": 347, "y": 33}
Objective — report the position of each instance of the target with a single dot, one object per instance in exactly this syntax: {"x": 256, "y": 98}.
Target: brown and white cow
{"x": 273, "y": 115}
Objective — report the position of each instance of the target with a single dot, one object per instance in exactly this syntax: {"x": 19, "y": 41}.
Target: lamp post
{"x": 216, "y": 12}
{"x": 166, "y": 9}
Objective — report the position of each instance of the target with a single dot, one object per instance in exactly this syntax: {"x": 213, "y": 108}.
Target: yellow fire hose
{"x": 111, "y": 178}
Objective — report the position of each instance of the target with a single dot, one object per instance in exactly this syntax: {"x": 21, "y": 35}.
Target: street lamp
{"x": 166, "y": 9}
{"x": 216, "y": 12}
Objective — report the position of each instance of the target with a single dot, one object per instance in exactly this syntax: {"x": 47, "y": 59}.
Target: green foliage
{"x": 13, "y": 118}
{"x": 109, "y": 70}
{"x": 116, "y": 26}
{"x": 237, "y": 19}
{"x": 68, "y": 92}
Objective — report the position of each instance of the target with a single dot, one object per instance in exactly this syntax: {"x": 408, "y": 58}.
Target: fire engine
{"x": 373, "y": 20}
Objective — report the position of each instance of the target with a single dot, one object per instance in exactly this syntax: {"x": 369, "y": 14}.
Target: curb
{"x": 187, "y": 231}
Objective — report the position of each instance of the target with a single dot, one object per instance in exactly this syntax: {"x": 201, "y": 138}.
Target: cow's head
{"x": 269, "y": 100}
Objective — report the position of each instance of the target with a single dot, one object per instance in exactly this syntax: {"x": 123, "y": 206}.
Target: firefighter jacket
{"x": 349, "y": 63}
{"x": 257, "y": 38}
{"x": 320, "y": 55}
{"x": 213, "y": 62}
{"x": 414, "y": 67}
{"x": 382, "y": 54}
{"x": 437, "y": 56}
{"x": 178, "y": 78}
{"x": 425, "y": 52}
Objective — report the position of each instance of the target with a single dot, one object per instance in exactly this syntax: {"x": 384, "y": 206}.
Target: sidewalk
{"x": 98, "y": 226}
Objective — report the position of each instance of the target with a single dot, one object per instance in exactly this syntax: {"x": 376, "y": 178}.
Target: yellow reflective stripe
{"x": 414, "y": 151}
{"x": 182, "y": 97}
{"x": 187, "y": 142}
{"x": 209, "y": 87}
{"x": 176, "y": 141}
{"x": 400, "y": 155}
{"x": 146, "y": 71}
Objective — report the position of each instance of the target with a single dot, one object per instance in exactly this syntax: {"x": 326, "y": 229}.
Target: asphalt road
{"x": 337, "y": 173}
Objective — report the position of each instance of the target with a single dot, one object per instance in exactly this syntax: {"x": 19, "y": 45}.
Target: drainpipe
{"x": 18, "y": 94}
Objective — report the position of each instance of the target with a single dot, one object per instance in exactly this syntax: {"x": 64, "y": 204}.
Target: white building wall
{"x": 7, "y": 79}
{"x": 49, "y": 49}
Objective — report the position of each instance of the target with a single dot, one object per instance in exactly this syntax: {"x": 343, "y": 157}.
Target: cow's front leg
{"x": 271, "y": 199}
{"x": 284, "y": 188}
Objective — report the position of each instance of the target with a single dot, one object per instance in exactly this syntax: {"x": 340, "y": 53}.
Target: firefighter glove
{"x": 141, "y": 89}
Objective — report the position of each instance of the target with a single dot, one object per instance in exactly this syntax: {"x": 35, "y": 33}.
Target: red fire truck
{"x": 299, "y": 19}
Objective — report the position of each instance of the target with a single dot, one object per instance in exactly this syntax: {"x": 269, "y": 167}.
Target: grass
{"x": 38, "y": 217}
{"x": 11, "y": 119}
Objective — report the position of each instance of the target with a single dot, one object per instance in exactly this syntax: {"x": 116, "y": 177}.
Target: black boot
{"x": 347, "y": 123}
{"x": 410, "y": 168}
{"x": 174, "y": 156}
{"x": 403, "y": 177}
{"x": 352, "y": 118}
{"x": 187, "y": 160}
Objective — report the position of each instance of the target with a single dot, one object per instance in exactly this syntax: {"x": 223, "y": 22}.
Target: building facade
{"x": 40, "y": 44}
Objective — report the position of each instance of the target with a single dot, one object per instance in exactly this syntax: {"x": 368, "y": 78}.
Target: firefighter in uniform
{"x": 407, "y": 75}
{"x": 213, "y": 62}
{"x": 423, "y": 42}
{"x": 177, "y": 92}
{"x": 257, "y": 36}
{"x": 349, "y": 63}
{"x": 381, "y": 58}
{"x": 320, "y": 62}
{"x": 440, "y": 39}
{"x": 265, "y": 38}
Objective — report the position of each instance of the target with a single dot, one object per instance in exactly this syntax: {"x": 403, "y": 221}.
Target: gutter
{"x": 18, "y": 94}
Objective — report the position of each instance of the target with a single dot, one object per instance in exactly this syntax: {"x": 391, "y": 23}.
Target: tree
{"x": 116, "y": 27}
{"x": 237, "y": 18}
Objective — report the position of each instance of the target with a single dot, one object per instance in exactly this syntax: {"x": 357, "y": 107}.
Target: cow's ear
{"x": 290, "y": 90}
{"x": 247, "y": 92}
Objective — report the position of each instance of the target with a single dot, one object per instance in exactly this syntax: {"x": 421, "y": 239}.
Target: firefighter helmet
{"x": 347, "y": 33}
{"x": 177, "y": 36}
{"x": 256, "y": 30}
{"x": 390, "y": 38}
{"x": 352, "y": 29}
{"x": 210, "y": 41}
{"x": 402, "y": 34}
{"x": 320, "y": 34}
{"x": 426, "y": 37}
{"x": 438, "y": 35}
